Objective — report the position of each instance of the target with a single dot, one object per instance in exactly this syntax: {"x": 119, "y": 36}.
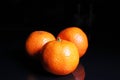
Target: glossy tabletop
{"x": 101, "y": 62}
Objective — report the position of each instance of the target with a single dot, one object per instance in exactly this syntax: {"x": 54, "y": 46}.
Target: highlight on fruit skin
{"x": 60, "y": 57}
{"x": 77, "y": 36}
{"x": 36, "y": 40}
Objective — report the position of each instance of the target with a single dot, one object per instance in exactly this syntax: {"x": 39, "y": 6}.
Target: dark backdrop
{"x": 99, "y": 20}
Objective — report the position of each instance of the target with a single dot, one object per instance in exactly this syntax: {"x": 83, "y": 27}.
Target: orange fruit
{"x": 36, "y": 40}
{"x": 60, "y": 57}
{"x": 77, "y": 36}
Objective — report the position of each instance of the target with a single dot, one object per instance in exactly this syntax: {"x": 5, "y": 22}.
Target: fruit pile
{"x": 58, "y": 55}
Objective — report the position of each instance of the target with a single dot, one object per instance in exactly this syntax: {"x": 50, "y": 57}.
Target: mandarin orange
{"x": 60, "y": 57}
{"x": 77, "y": 36}
{"x": 36, "y": 40}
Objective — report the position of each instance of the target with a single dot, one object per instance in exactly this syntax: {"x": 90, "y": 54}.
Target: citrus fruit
{"x": 60, "y": 57}
{"x": 77, "y": 36}
{"x": 36, "y": 40}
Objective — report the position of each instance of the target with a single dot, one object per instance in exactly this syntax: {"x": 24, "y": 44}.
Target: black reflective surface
{"x": 17, "y": 65}
{"x": 101, "y": 61}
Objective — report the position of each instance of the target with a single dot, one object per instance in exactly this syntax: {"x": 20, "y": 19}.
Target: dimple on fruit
{"x": 60, "y": 57}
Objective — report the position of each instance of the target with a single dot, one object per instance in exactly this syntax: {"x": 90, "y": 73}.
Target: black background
{"x": 99, "y": 20}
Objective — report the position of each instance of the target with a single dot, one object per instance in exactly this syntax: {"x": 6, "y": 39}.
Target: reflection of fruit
{"x": 77, "y": 36}
{"x": 79, "y": 73}
{"x": 60, "y": 57}
{"x": 31, "y": 77}
{"x": 36, "y": 40}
